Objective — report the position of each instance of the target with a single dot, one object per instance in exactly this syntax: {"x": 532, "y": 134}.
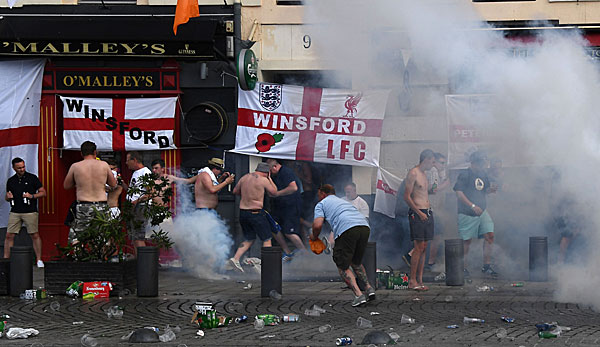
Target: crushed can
{"x": 241, "y": 319}
{"x": 269, "y": 319}
{"x": 290, "y": 317}
{"x": 343, "y": 341}
{"x": 89, "y": 296}
{"x": 41, "y": 294}
{"x": 507, "y": 319}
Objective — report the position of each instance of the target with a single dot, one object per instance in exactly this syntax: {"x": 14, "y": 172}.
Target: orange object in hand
{"x": 317, "y": 246}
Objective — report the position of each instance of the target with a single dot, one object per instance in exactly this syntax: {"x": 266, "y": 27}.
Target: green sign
{"x": 247, "y": 69}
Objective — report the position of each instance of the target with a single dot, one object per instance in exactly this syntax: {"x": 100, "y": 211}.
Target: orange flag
{"x": 185, "y": 10}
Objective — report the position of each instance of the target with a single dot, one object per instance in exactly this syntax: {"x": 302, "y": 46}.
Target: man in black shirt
{"x": 286, "y": 205}
{"x": 22, "y": 191}
{"x": 473, "y": 220}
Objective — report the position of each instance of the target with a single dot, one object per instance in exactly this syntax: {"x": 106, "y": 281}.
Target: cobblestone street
{"x": 435, "y": 309}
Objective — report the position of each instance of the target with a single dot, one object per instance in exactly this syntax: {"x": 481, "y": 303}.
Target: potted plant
{"x": 100, "y": 251}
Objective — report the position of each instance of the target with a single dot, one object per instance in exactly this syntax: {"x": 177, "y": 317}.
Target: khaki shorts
{"x": 16, "y": 220}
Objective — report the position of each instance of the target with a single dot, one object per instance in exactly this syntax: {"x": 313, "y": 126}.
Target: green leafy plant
{"x": 106, "y": 236}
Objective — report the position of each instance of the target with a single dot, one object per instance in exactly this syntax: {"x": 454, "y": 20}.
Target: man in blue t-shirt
{"x": 351, "y": 232}
{"x": 471, "y": 188}
{"x": 286, "y": 205}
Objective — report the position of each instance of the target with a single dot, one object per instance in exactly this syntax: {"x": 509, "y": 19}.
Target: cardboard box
{"x": 99, "y": 289}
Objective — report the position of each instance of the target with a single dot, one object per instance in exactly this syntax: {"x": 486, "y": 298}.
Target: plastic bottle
{"x": 312, "y": 313}
{"x": 318, "y": 308}
{"x": 259, "y": 324}
{"x": 485, "y": 288}
{"x": 468, "y": 320}
{"x": 168, "y": 336}
{"x": 325, "y": 328}
{"x": 274, "y": 295}
{"x": 547, "y": 335}
{"x": 291, "y": 317}
{"x": 517, "y": 284}
{"x": 88, "y": 341}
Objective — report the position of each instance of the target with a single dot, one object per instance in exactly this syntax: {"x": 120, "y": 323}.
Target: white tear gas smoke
{"x": 544, "y": 111}
{"x": 201, "y": 238}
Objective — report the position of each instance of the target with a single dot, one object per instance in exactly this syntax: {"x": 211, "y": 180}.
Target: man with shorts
{"x": 137, "y": 228}
{"x": 351, "y": 232}
{"x": 253, "y": 218}
{"x": 420, "y": 216}
{"x": 286, "y": 205}
{"x": 22, "y": 191}
{"x": 89, "y": 177}
{"x": 473, "y": 220}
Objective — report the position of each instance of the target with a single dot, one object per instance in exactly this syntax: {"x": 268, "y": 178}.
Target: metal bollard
{"x": 271, "y": 270}
{"x": 538, "y": 258}
{"x": 369, "y": 261}
{"x": 21, "y": 270}
{"x": 147, "y": 271}
{"x": 455, "y": 262}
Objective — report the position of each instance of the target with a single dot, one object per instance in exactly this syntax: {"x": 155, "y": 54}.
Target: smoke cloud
{"x": 201, "y": 238}
{"x": 544, "y": 111}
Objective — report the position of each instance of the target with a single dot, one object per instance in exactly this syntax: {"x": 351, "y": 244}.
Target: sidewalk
{"x": 435, "y": 309}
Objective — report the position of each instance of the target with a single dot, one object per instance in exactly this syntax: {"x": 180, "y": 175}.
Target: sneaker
{"x": 287, "y": 257}
{"x": 467, "y": 274}
{"x": 235, "y": 264}
{"x": 359, "y": 300}
{"x": 487, "y": 269}
{"x": 407, "y": 259}
{"x": 371, "y": 294}
{"x": 40, "y": 263}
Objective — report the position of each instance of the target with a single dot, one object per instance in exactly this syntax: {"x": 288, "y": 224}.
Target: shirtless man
{"x": 114, "y": 193}
{"x": 420, "y": 216}
{"x": 90, "y": 177}
{"x": 253, "y": 218}
{"x": 207, "y": 186}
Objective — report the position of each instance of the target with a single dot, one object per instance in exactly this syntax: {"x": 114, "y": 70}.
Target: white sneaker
{"x": 235, "y": 264}
{"x": 40, "y": 263}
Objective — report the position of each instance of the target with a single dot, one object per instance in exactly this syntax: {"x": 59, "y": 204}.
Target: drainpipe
{"x": 237, "y": 25}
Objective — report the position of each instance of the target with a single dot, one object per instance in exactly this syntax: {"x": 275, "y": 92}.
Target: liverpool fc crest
{"x": 270, "y": 96}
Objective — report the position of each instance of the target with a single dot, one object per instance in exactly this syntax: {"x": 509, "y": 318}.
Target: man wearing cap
{"x": 253, "y": 218}
{"x": 471, "y": 188}
{"x": 207, "y": 185}
{"x": 89, "y": 177}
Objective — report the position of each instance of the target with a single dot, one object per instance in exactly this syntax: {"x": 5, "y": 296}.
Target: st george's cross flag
{"x": 119, "y": 124}
{"x": 335, "y": 126}
{"x": 21, "y": 85}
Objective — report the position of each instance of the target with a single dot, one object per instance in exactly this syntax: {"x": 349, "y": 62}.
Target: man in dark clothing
{"x": 286, "y": 204}
{"x": 471, "y": 188}
{"x": 22, "y": 191}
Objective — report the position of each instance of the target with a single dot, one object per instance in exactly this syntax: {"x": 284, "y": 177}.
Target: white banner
{"x": 386, "y": 193}
{"x": 21, "y": 85}
{"x": 475, "y": 122}
{"x": 333, "y": 126}
{"x": 119, "y": 124}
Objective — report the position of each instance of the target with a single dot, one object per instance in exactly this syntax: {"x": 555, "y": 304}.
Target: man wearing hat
{"x": 207, "y": 185}
{"x": 471, "y": 188}
{"x": 253, "y": 218}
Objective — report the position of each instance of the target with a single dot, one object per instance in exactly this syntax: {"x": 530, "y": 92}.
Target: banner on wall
{"x": 386, "y": 193}
{"x": 332, "y": 126}
{"x": 21, "y": 85}
{"x": 119, "y": 124}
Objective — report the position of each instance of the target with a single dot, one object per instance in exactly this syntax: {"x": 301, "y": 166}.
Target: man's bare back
{"x": 90, "y": 177}
{"x": 252, "y": 190}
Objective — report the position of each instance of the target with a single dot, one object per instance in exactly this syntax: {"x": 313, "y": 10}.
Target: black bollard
{"x": 455, "y": 262}
{"x": 271, "y": 270}
{"x": 538, "y": 258}
{"x": 369, "y": 261}
{"x": 147, "y": 271}
{"x": 21, "y": 270}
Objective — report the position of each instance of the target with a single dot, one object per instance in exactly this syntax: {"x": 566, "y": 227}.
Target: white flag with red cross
{"x": 21, "y": 85}
{"x": 386, "y": 195}
{"x": 334, "y": 126}
{"x": 119, "y": 124}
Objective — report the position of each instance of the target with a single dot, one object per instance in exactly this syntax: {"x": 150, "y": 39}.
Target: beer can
{"x": 291, "y": 317}
{"x": 343, "y": 341}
